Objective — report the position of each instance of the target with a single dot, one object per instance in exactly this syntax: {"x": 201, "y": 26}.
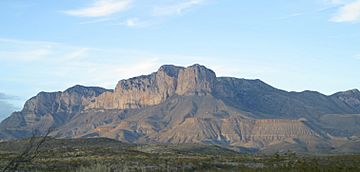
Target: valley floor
{"x": 109, "y": 155}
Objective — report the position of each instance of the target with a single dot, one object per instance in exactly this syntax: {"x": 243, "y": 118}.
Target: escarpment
{"x": 192, "y": 105}
{"x": 157, "y": 87}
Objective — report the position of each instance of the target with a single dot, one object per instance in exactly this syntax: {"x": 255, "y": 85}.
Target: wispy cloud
{"x": 77, "y": 54}
{"x": 67, "y": 65}
{"x": 292, "y": 15}
{"x": 134, "y": 22}
{"x": 98, "y": 20}
{"x": 101, "y": 8}
{"x": 334, "y": 1}
{"x": 24, "y": 42}
{"x": 4, "y": 96}
{"x": 29, "y": 55}
{"x": 348, "y": 12}
{"x": 177, "y": 8}
{"x": 104, "y": 11}
{"x": 357, "y": 56}
{"x": 6, "y": 108}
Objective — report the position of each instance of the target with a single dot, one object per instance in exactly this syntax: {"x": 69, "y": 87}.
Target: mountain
{"x": 191, "y": 105}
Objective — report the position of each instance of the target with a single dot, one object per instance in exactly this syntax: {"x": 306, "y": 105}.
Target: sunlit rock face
{"x": 49, "y": 110}
{"x": 195, "y": 80}
{"x": 157, "y": 87}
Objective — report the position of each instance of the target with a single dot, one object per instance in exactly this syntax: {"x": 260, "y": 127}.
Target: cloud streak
{"x": 104, "y": 11}
{"x": 177, "y": 8}
{"x": 134, "y": 23}
{"x": 101, "y": 8}
{"x": 357, "y": 56}
{"x": 30, "y": 55}
{"x": 349, "y": 12}
{"x": 4, "y": 96}
{"x": 6, "y": 108}
{"x": 67, "y": 65}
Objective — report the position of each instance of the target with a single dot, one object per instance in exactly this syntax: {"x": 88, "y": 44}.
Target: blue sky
{"x": 293, "y": 45}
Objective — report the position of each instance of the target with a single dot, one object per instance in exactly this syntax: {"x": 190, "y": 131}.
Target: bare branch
{"x": 30, "y": 152}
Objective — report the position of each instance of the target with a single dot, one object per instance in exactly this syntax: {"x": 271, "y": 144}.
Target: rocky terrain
{"x": 191, "y": 105}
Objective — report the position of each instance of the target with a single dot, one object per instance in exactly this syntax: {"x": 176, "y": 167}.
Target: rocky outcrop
{"x": 47, "y": 110}
{"x": 72, "y": 100}
{"x": 157, "y": 87}
{"x": 195, "y": 80}
{"x": 141, "y": 91}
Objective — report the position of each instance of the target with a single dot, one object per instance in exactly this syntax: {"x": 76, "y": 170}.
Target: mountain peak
{"x": 75, "y": 88}
{"x": 170, "y": 70}
{"x": 173, "y": 70}
{"x": 196, "y": 80}
{"x": 196, "y": 65}
{"x": 170, "y": 67}
{"x": 352, "y": 92}
{"x": 200, "y": 68}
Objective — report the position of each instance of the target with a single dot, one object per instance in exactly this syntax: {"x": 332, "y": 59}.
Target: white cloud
{"x": 292, "y": 15}
{"x": 176, "y": 9}
{"x": 349, "y": 12}
{"x": 29, "y": 55}
{"x": 134, "y": 22}
{"x": 101, "y": 8}
{"x": 102, "y": 11}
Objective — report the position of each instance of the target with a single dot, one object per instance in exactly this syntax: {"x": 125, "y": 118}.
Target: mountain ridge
{"x": 189, "y": 105}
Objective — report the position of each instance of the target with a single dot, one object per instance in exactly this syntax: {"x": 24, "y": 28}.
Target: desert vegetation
{"x": 80, "y": 155}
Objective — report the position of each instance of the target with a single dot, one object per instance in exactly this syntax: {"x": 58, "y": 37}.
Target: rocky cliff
{"x": 155, "y": 88}
{"x": 48, "y": 110}
{"x": 190, "y": 105}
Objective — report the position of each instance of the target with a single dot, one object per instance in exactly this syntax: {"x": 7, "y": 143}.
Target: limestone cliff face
{"x": 47, "y": 110}
{"x": 157, "y": 87}
{"x": 71, "y": 100}
{"x": 195, "y": 80}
